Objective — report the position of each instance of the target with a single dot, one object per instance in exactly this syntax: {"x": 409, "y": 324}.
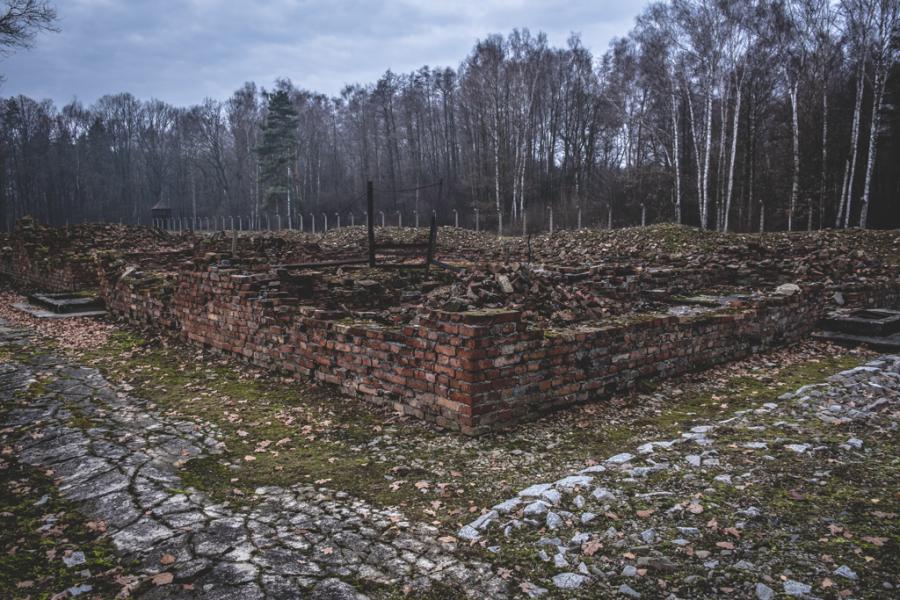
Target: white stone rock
{"x": 619, "y": 459}
{"x": 554, "y": 521}
{"x": 603, "y": 495}
{"x": 798, "y": 448}
{"x": 787, "y": 289}
{"x": 535, "y": 490}
{"x": 507, "y": 506}
{"x": 551, "y": 496}
{"x": 568, "y": 483}
{"x": 484, "y": 520}
{"x": 795, "y": 588}
{"x": 846, "y": 572}
{"x": 569, "y": 581}
{"x": 535, "y": 509}
{"x": 592, "y": 469}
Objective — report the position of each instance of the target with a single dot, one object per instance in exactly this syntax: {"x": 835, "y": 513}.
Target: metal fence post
{"x": 499, "y": 223}
{"x": 370, "y": 221}
{"x": 456, "y": 218}
{"x": 312, "y": 221}
{"x": 579, "y": 217}
{"x": 325, "y": 220}
{"x": 337, "y": 217}
{"x": 477, "y": 228}
{"x": 551, "y": 220}
{"x": 381, "y": 212}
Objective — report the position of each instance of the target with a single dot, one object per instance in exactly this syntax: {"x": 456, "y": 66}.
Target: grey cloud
{"x": 183, "y": 51}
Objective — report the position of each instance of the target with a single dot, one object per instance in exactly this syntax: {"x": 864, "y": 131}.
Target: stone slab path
{"x": 715, "y": 505}
{"x": 117, "y": 458}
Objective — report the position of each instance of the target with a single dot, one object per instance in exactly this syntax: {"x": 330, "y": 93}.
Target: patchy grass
{"x": 279, "y": 431}
{"x": 39, "y": 529}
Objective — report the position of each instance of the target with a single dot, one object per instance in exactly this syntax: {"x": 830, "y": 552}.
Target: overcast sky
{"x": 182, "y": 51}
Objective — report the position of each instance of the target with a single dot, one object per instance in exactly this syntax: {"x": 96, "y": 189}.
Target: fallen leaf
{"x": 590, "y": 548}
{"x": 166, "y": 559}
{"x": 876, "y": 541}
{"x": 725, "y": 545}
{"x": 162, "y": 578}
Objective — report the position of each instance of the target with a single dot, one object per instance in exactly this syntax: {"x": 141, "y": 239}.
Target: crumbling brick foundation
{"x": 468, "y": 370}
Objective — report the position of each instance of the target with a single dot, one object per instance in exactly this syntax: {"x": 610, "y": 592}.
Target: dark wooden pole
{"x": 370, "y": 207}
{"x": 432, "y": 239}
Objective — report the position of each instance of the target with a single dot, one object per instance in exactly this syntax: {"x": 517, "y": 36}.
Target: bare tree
{"x": 22, "y": 20}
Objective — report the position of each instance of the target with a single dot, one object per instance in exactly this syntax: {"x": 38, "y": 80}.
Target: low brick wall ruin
{"x": 471, "y": 371}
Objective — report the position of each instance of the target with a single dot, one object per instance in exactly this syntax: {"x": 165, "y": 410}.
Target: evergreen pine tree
{"x": 277, "y": 147}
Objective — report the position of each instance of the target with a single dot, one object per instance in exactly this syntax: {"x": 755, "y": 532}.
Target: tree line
{"x": 738, "y": 115}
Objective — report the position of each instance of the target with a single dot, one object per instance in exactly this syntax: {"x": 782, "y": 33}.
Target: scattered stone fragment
{"x": 846, "y": 572}
{"x": 569, "y": 581}
{"x": 764, "y": 592}
{"x": 619, "y": 459}
{"x": 795, "y": 588}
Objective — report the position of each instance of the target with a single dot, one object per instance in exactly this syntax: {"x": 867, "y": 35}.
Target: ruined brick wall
{"x": 34, "y": 266}
{"x": 472, "y": 371}
{"x": 520, "y": 373}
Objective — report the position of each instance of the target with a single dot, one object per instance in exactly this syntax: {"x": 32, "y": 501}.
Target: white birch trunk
{"x": 847, "y": 192}
{"x": 795, "y": 180}
{"x": 706, "y": 158}
{"x": 824, "y": 177}
{"x": 878, "y": 95}
{"x": 734, "y": 136}
{"x": 676, "y": 159}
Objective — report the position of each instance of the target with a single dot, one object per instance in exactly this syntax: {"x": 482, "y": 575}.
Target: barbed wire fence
{"x": 403, "y": 208}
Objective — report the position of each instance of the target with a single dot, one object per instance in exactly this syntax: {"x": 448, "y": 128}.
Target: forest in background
{"x": 726, "y": 114}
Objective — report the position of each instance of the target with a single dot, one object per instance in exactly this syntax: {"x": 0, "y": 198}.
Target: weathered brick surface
{"x": 471, "y": 371}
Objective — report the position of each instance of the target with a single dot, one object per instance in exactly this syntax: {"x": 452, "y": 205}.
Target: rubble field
{"x": 686, "y": 438}
{"x": 496, "y": 330}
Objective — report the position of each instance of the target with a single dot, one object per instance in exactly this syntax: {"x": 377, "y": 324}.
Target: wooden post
{"x": 370, "y": 216}
{"x": 432, "y": 240}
